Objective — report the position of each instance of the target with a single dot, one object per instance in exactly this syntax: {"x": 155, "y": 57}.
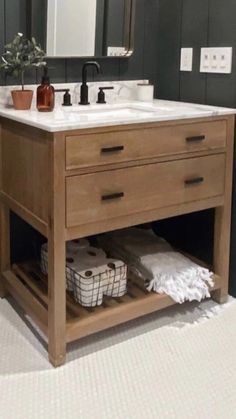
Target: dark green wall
{"x": 197, "y": 23}
{"x": 143, "y": 63}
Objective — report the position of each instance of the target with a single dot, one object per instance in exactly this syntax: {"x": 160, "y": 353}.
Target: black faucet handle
{"x": 66, "y": 97}
{"x": 101, "y": 94}
{"x": 106, "y": 88}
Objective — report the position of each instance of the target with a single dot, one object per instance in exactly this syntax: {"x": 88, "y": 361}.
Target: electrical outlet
{"x": 116, "y": 51}
{"x": 216, "y": 60}
{"x": 186, "y": 59}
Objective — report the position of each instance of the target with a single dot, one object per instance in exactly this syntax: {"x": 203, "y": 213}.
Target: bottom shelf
{"x": 28, "y": 286}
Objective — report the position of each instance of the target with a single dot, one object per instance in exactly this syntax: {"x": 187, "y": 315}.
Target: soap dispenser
{"x": 45, "y": 94}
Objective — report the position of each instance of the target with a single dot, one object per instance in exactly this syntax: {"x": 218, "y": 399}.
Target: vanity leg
{"x": 4, "y": 244}
{"x": 57, "y": 255}
{"x": 57, "y": 303}
{"x": 222, "y": 252}
{"x": 223, "y": 223}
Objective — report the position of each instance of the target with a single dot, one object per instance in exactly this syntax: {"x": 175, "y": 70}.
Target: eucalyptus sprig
{"x": 20, "y": 55}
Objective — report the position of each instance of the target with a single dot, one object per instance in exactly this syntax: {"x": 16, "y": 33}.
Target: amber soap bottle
{"x": 45, "y": 94}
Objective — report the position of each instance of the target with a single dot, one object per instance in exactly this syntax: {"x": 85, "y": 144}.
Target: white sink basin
{"x": 105, "y": 111}
{"x": 115, "y": 114}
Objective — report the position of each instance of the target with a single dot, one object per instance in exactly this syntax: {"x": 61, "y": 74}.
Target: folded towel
{"x": 151, "y": 257}
{"x": 130, "y": 245}
{"x": 75, "y": 245}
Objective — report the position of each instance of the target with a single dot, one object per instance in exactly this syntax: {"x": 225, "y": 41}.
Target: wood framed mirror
{"x": 83, "y": 28}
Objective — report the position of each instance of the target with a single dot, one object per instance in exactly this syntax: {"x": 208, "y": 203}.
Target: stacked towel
{"x": 153, "y": 259}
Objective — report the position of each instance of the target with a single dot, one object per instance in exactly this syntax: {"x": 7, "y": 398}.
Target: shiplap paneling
{"x": 221, "y": 88}
{"x": 194, "y": 16}
{"x": 15, "y": 21}
{"x": 15, "y": 18}
{"x": 150, "y": 42}
{"x": 168, "y": 45}
{"x": 2, "y": 34}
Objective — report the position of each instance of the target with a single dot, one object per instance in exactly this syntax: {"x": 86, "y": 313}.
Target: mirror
{"x": 83, "y": 28}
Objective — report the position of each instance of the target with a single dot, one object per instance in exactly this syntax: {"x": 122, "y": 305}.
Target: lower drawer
{"x": 107, "y": 195}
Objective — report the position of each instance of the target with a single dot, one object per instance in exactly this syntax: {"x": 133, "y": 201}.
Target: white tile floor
{"x": 179, "y": 363}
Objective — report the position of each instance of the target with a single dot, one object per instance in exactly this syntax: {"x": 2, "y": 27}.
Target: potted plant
{"x": 20, "y": 55}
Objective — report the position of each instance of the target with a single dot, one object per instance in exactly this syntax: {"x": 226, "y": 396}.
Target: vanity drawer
{"x": 101, "y": 148}
{"x": 107, "y": 195}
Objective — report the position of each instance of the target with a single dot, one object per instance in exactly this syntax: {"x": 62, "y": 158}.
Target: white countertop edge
{"x": 192, "y": 111}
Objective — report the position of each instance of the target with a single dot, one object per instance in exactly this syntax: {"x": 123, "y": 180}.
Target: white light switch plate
{"x": 186, "y": 59}
{"x": 216, "y": 60}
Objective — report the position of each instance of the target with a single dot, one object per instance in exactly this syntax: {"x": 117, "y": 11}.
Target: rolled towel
{"x": 177, "y": 276}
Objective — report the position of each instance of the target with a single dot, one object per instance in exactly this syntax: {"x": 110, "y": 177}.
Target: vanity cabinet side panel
{"x": 25, "y": 170}
{"x": 223, "y": 216}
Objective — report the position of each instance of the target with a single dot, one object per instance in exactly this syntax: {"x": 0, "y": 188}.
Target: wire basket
{"x": 90, "y": 285}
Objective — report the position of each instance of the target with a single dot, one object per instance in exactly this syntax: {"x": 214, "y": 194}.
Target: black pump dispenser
{"x": 45, "y": 77}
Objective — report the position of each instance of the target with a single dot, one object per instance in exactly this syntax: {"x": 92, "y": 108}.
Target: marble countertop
{"x": 120, "y": 113}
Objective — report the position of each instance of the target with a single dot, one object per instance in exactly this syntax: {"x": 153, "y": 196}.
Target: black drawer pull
{"x": 112, "y": 149}
{"x": 195, "y": 139}
{"x": 113, "y": 196}
{"x": 194, "y": 181}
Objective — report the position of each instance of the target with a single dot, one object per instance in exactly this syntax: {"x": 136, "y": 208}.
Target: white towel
{"x": 151, "y": 257}
{"x": 177, "y": 276}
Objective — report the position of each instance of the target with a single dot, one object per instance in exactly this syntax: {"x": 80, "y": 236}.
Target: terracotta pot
{"x": 22, "y": 99}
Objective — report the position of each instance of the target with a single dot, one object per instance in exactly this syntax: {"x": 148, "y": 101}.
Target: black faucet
{"x": 84, "y": 86}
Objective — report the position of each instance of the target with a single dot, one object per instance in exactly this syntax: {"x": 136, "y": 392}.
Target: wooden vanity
{"x": 77, "y": 183}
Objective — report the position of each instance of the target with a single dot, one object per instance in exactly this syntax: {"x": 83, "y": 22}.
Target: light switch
{"x": 186, "y": 60}
{"x": 216, "y": 60}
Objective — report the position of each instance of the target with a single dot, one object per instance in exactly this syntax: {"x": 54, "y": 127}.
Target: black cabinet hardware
{"x": 113, "y": 196}
{"x": 114, "y": 149}
{"x": 194, "y": 181}
{"x": 195, "y": 139}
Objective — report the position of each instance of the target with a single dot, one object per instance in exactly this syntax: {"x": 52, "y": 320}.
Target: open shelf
{"x": 28, "y": 286}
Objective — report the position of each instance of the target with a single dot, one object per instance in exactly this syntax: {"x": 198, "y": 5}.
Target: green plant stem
{"x": 22, "y": 80}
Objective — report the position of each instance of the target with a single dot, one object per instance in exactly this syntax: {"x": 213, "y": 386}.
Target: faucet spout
{"x": 84, "y": 86}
